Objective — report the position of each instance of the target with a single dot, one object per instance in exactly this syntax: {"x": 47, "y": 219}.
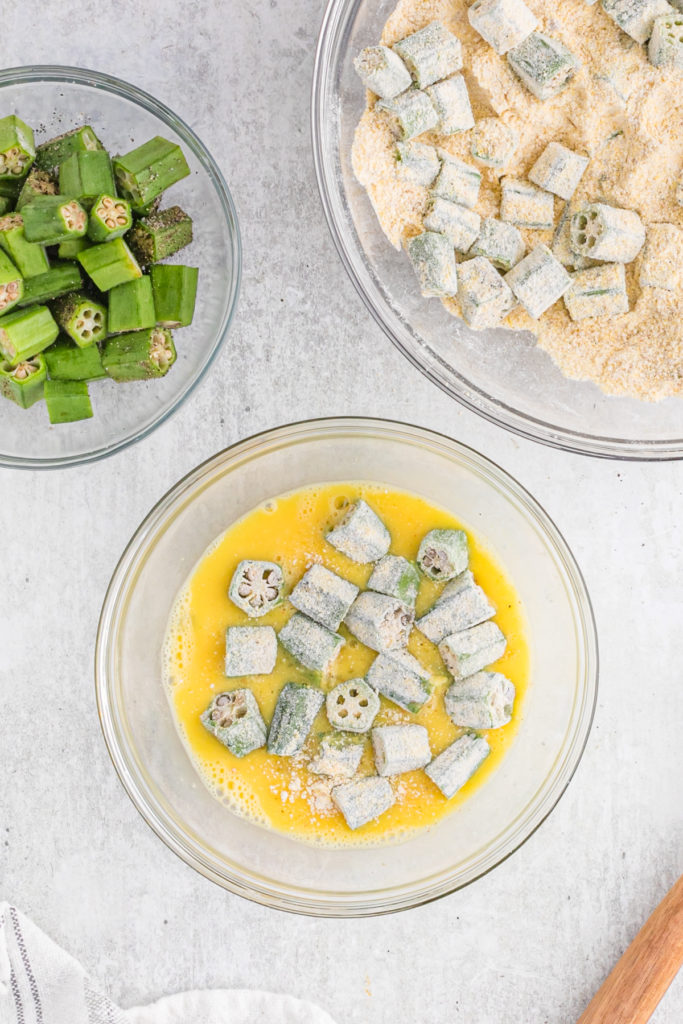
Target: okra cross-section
{"x": 482, "y": 701}
{"x": 175, "y": 293}
{"x": 84, "y": 320}
{"x": 544, "y": 65}
{"x": 430, "y": 54}
{"x": 485, "y": 299}
{"x": 59, "y": 279}
{"x": 54, "y": 152}
{"x": 110, "y": 217}
{"x": 139, "y": 355}
{"x": 86, "y": 176}
{"x": 457, "y": 763}
{"x": 160, "y": 235}
{"x": 410, "y": 114}
{"x": 28, "y": 257}
{"x": 235, "y": 719}
{"x": 147, "y": 171}
{"x": 131, "y": 306}
{"x": 352, "y": 706}
{"x": 462, "y": 604}
{"x": 538, "y": 281}
{"x": 606, "y": 233}
{"x": 502, "y": 23}
{"x": 67, "y": 401}
{"x": 250, "y": 650}
{"x": 471, "y": 650}
{"x": 363, "y": 800}
{"x": 397, "y": 577}
{"x": 636, "y": 17}
{"x": 339, "y": 756}
{"x": 26, "y": 332}
{"x": 257, "y": 587}
{"x": 66, "y": 361}
{"x": 360, "y": 535}
{"x": 11, "y": 284}
{"x": 382, "y": 71}
{"x": 295, "y": 711}
{"x": 23, "y": 383}
{"x": 37, "y": 183}
{"x": 309, "y": 642}
{"x": 323, "y": 596}
{"x": 400, "y": 748}
{"x": 443, "y": 554}
{"x": 53, "y": 219}
{"x": 17, "y": 147}
{"x": 400, "y": 677}
{"x": 379, "y": 621}
{"x": 109, "y": 264}
{"x": 433, "y": 259}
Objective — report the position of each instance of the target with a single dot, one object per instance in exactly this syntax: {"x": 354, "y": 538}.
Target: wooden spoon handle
{"x": 632, "y": 991}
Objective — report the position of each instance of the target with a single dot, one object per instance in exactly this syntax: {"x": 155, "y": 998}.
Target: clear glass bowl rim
{"x": 255, "y": 887}
{"x": 111, "y": 84}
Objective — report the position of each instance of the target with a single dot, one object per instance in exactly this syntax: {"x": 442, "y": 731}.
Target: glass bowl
{"x": 54, "y": 100}
{"x": 269, "y": 867}
{"x": 502, "y": 375}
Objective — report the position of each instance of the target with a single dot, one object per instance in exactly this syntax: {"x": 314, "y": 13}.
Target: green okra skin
{"x": 66, "y": 361}
{"x": 17, "y": 147}
{"x": 37, "y": 183}
{"x": 67, "y": 400}
{"x": 11, "y": 283}
{"x": 147, "y": 171}
{"x": 28, "y": 257}
{"x": 110, "y": 218}
{"x": 131, "y": 306}
{"x": 26, "y": 332}
{"x": 83, "y": 319}
{"x": 5, "y": 205}
{"x": 10, "y": 189}
{"x": 139, "y": 355}
{"x": 70, "y": 249}
{"x": 109, "y": 264}
{"x": 54, "y": 219}
{"x": 54, "y": 152}
{"x": 160, "y": 235}
{"x": 85, "y": 176}
{"x": 24, "y": 383}
{"x": 148, "y": 209}
{"x": 175, "y": 294}
{"x": 60, "y": 279}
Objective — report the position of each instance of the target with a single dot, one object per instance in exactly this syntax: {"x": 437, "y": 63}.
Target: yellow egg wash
{"x": 280, "y": 792}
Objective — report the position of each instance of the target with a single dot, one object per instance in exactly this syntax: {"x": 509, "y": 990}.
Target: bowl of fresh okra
{"x": 119, "y": 264}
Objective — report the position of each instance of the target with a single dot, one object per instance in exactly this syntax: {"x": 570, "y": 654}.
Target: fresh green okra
{"x": 58, "y": 280}
{"x": 37, "y": 183}
{"x": 175, "y": 294}
{"x": 352, "y": 706}
{"x": 147, "y": 171}
{"x": 109, "y": 264}
{"x": 67, "y": 401}
{"x": 455, "y": 765}
{"x": 54, "y": 152}
{"x": 295, "y": 711}
{"x": 433, "y": 260}
{"x": 24, "y": 383}
{"x": 53, "y": 219}
{"x": 83, "y": 319}
{"x": 485, "y": 298}
{"x": 382, "y": 71}
{"x": 70, "y": 249}
{"x": 5, "y": 205}
{"x": 28, "y": 257}
{"x": 482, "y": 701}
{"x": 430, "y": 54}
{"x": 11, "y": 284}
{"x": 131, "y": 306}
{"x": 451, "y": 101}
{"x": 10, "y": 189}
{"x": 109, "y": 218}
{"x": 400, "y": 748}
{"x": 139, "y": 355}
{"x": 502, "y": 23}
{"x": 86, "y": 176}
{"x": 544, "y": 65}
{"x": 26, "y": 332}
{"x": 410, "y": 114}
{"x": 234, "y": 718}
{"x": 17, "y": 147}
{"x": 323, "y": 596}
{"x": 66, "y": 361}
{"x": 160, "y": 235}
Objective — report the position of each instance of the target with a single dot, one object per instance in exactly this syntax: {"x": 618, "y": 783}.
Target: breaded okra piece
{"x": 460, "y": 225}
{"x": 309, "y": 642}
{"x": 493, "y": 142}
{"x": 382, "y": 71}
{"x": 410, "y": 114}
{"x": 175, "y": 293}
{"x": 160, "y": 234}
{"x": 257, "y": 587}
{"x": 400, "y": 748}
{"x": 352, "y": 706}
{"x": 471, "y": 650}
{"x": 502, "y": 23}
{"x": 53, "y": 219}
{"x": 661, "y": 264}
{"x": 452, "y": 103}
{"x": 380, "y": 622}
{"x": 139, "y": 355}
{"x": 558, "y": 170}
{"x": 665, "y": 48}
{"x": 598, "y": 291}
{"x": 562, "y": 247}
{"x": 538, "y": 281}
{"x": 295, "y": 711}
{"x": 458, "y": 763}
{"x": 17, "y": 148}
{"x": 463, "y": 604}
{"x": 544, "y": 65}
{"x": 67, "y": 401}
{"x": 457, "y": 181}
{"x": 66, "y": 361}
{"x": 396, "y": 577}
{"x": 60, "y": 279}
{"x": 430, "y": 54}
{"x": 417, "y": 162}
{"x": 26, "y": 332}
{"x": 363, "y": 800}
{"x": 37, "y": 183}
{"x": 526, "y": 206}
{"x": 607, "y": 233}
{"x": 485, "y": 299}
{"x": 86, "y": 176}
{"x": 84, "y": 320}
{"x": 339, "y": 756}
{"x": 28, "y": 257}
{"x": 235, "y": 719}
{"x": 500, "y": 243}
{"x": 360, "y": 534}
{"x": 147, "y": 171}
{"x": 250, "y": 650}
{"x": 131, "y": 306}
{"x": 109, "y": 264}
{"x": 110, "y": 217}
{"x": 636, "y": 17}
{"x": 50, "y": 154}
{"x": 23, "y": 383}
{"x": 323, "y": 596}
{"x": 482, "y": 701}
{"x": 400, "y": 677}
{"x": 11, "y": 284}
{"x": 433, "y": 260}
{"x": 443, "y": 554}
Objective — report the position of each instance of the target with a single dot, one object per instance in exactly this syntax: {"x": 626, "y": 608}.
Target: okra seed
{"x": 343, "y": 713}
{"x": 340, "y": 699}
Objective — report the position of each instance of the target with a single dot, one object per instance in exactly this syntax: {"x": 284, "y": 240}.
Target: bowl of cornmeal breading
{"x": 503, "y": 181}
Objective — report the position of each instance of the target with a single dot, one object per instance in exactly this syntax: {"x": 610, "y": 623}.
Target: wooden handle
{"x": 632, "y": 991}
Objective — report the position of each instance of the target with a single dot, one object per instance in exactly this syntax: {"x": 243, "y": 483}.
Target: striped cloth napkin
{"x": 41, "y": 984}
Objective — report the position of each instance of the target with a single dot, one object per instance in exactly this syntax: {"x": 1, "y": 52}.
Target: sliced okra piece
{"x": 54, "y": 152}
{"x": 636, "y": 17}
{"x": 109, "y": 264}
{"x": 460, "y": 225}
{"x": 382, "y": 71}
{"x": 400, "y": 748}
{"x": 410, "y": 114}
{"x": 28, "y": 257}
{"x": 17, "y": 148}
{"x": 309, "y": 642}
{"x": 37, "y": 183}
{"x": 147, "y": 171}
{"x": 139, "y": 355}
{"x": 60, "y": 279}
{"x": 67, "y": 401}
{"x": 250, "y": 650}
{"x": 665, "y": 48}
{"x": 380, "y": 622}
{"x": 85, "y": 176}
{"x": 542, "y": 64}
{"x": 295, "y": 711}
{"x": 363, "y": 800}
{"x": 443, "y": 554}
{"x": 110, "y": 217}
{"x": 598, "y": 291}
{"x": 452, "y": 103}
{"x": 53, "y": 219}
{"x": 131, "y": 306}
{"x": 558, "y": 170}
{"x": 417, "y": 162}
{"x": 175, "y": 293}
{"x": 500, "y": 243}
{"x": 70, "y": 249}
{"x": 502, "y": 23}
{"x": 430, "y": 54}
{"x": 526, "y": 206}
{"x": 457, "y": 764}
{"x": 160, "y": 234}
{"x": 400, "y": 677}
{"x": 66, "y": 361}
{"x": 352, "y": 706}
{"x": 538, "y": 281}
{"x": 11, "y": 284}
{"x": 257, "y": 587}
{"x": 26, "y": 332}
{"x": 485, "y": 299}
{"x": 433, "y": 260}
{"x": 493, "y": 142}
{"x": 458, "y": 182}
{"x": 339, "y": 756}
{"x": 661, "y": 265}
{"x": 482, "y": 701}
{"x": 607, "y": 233}
{"x": 471, "y": 650}
{"x": 396, "y": 577}
{"x": 323, "y": 596}
{"x": 562, "y": 247}
{"x": 463, "y": 604}
{"x": 360, "y": 534}
{"x": 84, "y": 320}
{"x": 235, "y": 719}
{"x": 23, "y": 383}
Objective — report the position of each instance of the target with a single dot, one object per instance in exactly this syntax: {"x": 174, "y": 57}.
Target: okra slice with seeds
{"x": 147, "y": 171}
{"x": 160, "y": 235}
{"x": 139, "y": 355}
{"x": 598, "y": 291}
{"x": 493, "y": 142}
{"x": 482, "y": 701}
{"x": 606, "y": 233}
{"x": 502, "y": 23}
{"x": 360, "y": 534}
{"x": 257, "y": 587}
{"x": 67, "y": 401}
{"x": 131, "y": 306}
{"x": 175, "y": 293}
{"x": 485, "y": 299}
{"x": 397, "y": 577}
{"x": 471, "y": 650}
{"x": 542, "y": 64}
{"x": 433, "y": 260}
{"x": 636, "y": 17}
{"x": 109, "y": 264}
{"x": 26, "y": 332}
{"x": 457, "y": 181}
{"x": 417, "y": 162}
{"x": 323, "y": 596}
{"x": 400, "y": 748}
{"x": 37, "y": 183}
{"x": 430, "y": 54}
{"x": 28, "y": 257}
{"x": 61, "y": 278}
{"x": 400, "y": 677}
{"x": 443, "y": 554}
{"x": 538, "y": 281}
{"x": 562, "y": 247}
{"x": 661, "y": 265}
{"x": 339, "y": 756}
{"x": 526, "y": 206}
{"x": 363, "y": 800}
{"x": 235, "y": 719}
{"x": 460, "y": 225}
{"x": 457, "y": 763}
{"x": 463, "y": 604}
{"x": 83, "y": 319}
{"x": 110, "y": 217}
{"x": 558, "y": 170}
{"x": 452, "y": 104}
{"x": 410, "y": 114}
{"x": 66, "y": 361}
{"x": 250, "y": 650}
{"x": 295, "y": 711}
{"x": 53, "y": 219}
{"x": 54, "y": 152}
{"x": 380, "y": 622}
{"x": 24, "y": 383}
{"x": 500, "y": 243}
{"x": 665, "y": 48}
{"x": 86, "y": 176}
{"x": 352, "y": 706}
{"x": 17, "y": 147}
{"x": 11, "y": 284}
{"x": 309, "y": 642}
{"x": 382, "y": 71}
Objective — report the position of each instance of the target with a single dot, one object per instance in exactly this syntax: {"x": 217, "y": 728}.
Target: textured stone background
{"x": 532, "y": 941}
